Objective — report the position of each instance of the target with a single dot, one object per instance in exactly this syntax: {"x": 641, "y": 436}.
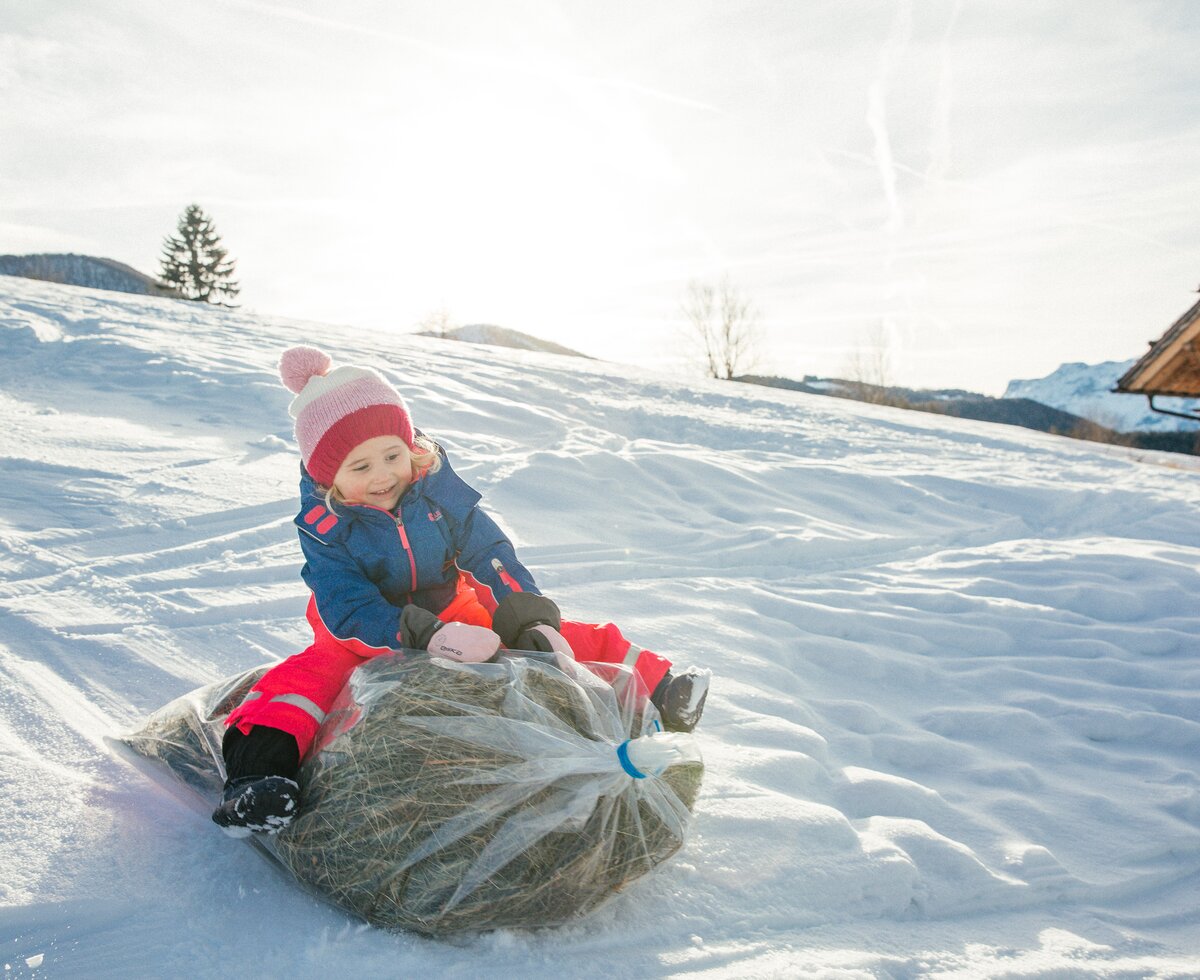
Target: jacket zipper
{"x": 412, "y": 559}
{"x": 399, "y": 522}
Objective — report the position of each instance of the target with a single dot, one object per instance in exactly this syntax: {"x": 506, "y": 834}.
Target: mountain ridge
{"x": 488, "y": 333}
{"x": 1026, "y": 412}
{"x": 90, "y": 271}
{"x": 1087, "y": 390}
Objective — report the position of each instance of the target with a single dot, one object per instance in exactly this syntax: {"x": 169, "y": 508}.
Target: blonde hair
{"x": 426, "y": 459}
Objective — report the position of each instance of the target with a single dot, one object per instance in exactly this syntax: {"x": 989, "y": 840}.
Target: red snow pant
{"x": 295, "y": 695}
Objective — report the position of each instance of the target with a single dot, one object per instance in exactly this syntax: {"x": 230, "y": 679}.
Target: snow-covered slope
{"x": 1086, "y": 390}
{"x": 956, "y": 717}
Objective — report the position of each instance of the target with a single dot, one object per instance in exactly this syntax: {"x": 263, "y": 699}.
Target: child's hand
{"x": 422, "y": 630}
{"x": 544, "y": 639}
{"x": 464, "y": 643}
{"x": 526, "y": 621}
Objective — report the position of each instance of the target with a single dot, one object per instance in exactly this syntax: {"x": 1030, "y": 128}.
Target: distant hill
{"x": 944, "y": 401}
{"x": 1026, "y": 412}
{"x": 1086, "y": 390}
{"x": 484, "y": 333}
{"x": 83, "y": 270}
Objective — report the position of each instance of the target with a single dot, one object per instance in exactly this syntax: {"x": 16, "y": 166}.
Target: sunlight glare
{"x": 510, "y": 193}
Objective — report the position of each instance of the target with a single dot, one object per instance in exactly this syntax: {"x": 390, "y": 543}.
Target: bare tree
{"x": 726, "y": 324}
{"x": 869, "y": 366}
{"x": 439, "y": 323}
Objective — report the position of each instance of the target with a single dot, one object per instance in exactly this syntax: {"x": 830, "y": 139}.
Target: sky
{"x": 959, "y": 193}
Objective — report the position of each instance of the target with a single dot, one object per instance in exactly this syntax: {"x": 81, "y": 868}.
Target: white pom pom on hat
{"x": 337, "y": 409}
{"x": 299, "y": 364}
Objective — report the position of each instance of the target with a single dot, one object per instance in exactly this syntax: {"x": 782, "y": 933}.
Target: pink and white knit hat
{"x": 337, "y": 409}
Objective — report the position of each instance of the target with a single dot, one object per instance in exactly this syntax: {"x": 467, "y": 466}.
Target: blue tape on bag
{"x": 629, "y": 767}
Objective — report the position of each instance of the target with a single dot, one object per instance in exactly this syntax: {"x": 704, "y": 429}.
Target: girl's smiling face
{"x": 377, "y": 472}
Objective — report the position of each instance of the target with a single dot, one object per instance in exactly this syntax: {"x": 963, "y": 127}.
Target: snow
{"x": 954, "y": 719}
{"x": 1086, "y": 390}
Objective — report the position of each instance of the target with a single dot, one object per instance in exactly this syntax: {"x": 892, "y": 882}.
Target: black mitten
{"x": 417, "y": 627}
{"x": 422, "y": 630}
{"x": 517, "y": 617}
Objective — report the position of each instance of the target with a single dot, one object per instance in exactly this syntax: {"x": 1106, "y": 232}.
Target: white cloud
{"x": 1008, "y": 180}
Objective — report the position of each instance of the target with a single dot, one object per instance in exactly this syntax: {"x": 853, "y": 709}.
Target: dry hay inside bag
{"x": 447, "y": 797}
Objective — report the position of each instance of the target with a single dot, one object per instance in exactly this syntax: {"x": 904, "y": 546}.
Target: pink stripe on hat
{"x": 331, "y": 406}
{"x": 336, "y": 410}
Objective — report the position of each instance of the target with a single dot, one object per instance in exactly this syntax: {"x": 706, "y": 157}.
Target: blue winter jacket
{"x": 364, "y": 564}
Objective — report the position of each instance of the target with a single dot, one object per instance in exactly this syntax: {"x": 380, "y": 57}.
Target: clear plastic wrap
{"x": 446, "y": 797}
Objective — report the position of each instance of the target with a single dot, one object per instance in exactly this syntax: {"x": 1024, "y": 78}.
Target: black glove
{"x": 417, "y": 627}
{"x": 527, "y": 621}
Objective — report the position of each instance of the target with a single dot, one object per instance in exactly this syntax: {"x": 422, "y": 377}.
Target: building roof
{"x": 1172, "y": 365}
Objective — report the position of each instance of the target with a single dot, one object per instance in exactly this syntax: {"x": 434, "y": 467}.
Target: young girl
{"x": 398, "y": 555}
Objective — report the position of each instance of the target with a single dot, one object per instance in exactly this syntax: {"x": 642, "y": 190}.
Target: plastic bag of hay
{"x": 446, "y": 797}
{"x": 186, "y": 734}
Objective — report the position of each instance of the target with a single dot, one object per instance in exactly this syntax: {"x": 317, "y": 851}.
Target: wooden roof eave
{"x": 1160, "y": 362}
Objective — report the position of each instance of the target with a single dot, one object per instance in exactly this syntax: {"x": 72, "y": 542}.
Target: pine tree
{"x": 195, "y": 263}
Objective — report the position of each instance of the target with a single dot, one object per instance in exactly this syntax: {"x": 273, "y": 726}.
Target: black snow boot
{"x": 679, "y": 698}
{"x": 261, "y": 792}
{"x": 265, "y": 804}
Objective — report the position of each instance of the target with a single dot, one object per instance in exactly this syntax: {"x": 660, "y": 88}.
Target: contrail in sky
{"x": 877, "y": 114}
{"x": 470, "y": 58}
{"x": 939, "y": 146}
